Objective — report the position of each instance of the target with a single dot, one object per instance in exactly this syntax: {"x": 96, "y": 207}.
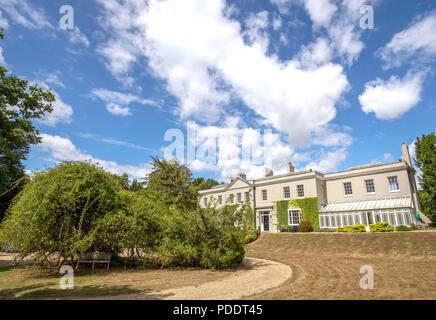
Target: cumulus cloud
{"x": 62, "y": 149}
{"x": 328, "y": 161}
{"x": 203, "y": 58}
{"x": 391, "y": 99}
{"x": 62, "y": 112}
{"x": 75, "y": 36}
{"x": 418, "y": 40}
{"x": 2, "y": 59}
{"x": 117, "y": 102}
{"x": 113, "y": 141}
{"x": 340, "y": 22}
{"x": 3, "y": 21}
{"x": 25, "y": 14}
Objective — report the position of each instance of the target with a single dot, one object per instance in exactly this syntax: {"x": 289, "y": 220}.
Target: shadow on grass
{"x": 44, "y": 291}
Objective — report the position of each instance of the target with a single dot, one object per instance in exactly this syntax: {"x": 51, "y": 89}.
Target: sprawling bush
{"x": 355, "y": 228}
{"x": 305, "y": 226}
{"x": 380, "y": 227}
{"x": 403, "y": 228}
{"x": 72, "y": 208}
{"x": 78, "y": 207}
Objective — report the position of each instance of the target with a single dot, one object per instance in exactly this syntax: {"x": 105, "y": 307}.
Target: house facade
{"x": 366, "y": 194}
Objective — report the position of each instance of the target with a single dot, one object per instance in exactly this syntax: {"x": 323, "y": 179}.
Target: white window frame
{"x": 300, "y": 217}
{"x": 239, "y": 197}
{"x": 345, "y": 189}
{"x": 205, "y": 201}
{"x": 264, "y": 192}
{"x": 246, "y": 195}
{"x": 396, "y": 182}
{"x": 284, "y": 193}
{"x": 232, "y": 198}
{"x": 220, "y": 200}
{"x": 373, "y": 186}
{"x": 302, "y": 190}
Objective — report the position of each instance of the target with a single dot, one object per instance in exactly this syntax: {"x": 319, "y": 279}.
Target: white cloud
{"x": 340, "y": 22}
{"x": 328, "y": 161}
{"x": 62, "y": 149}
{"x": 391, "y": 99}
{"x": 113, "y": 141}
{"x": 62, "y": 111}
{"x": 120, "y": 98}
{"x": 75, "y": 36}
{"x": 3, "y": 21}
{"x": 418, "y": 40}
{"x": 117, "y": 110}
{"x": 320, "y": 11}
{"x": 277, "y": 23}
{"x": 316, "y": 53}
{"x": 2, "y": 59}
{"x": 202, "y": 56}
{"x": 25, "y": 14}
{"x": 53, "y": 78}
{"x": 116, "y": 102}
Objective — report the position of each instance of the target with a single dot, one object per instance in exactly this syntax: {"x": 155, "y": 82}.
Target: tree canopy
{"x": 172, "y": 183}
{"x": 425, "y": 160}
{"x": 20, "y": 102}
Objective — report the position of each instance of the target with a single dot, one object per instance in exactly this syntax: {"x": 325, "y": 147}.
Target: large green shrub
{"x": 380, "y": 227}
{"x": 403, "y": 228}
{"x": 78, "y": 207}
{"x": 65, "y": 210}
{"x": 355, "y": 228}
{"x": 305, "y": 226}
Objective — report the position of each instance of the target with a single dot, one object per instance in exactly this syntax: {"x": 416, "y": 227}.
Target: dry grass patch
{"x": 326, "y": 266}
{"x": 30, "y": 282}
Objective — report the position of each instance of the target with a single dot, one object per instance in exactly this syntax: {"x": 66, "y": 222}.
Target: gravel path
{"x": 259, "y": 276}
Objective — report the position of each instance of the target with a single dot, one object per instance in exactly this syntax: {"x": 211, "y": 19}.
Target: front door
{"x": 265, "y": 221}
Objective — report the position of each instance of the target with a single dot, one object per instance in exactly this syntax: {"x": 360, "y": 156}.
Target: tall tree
{"x": 203, "y": 184}
{"x": 172, "y": 183}
{"x": 426, "y": 161}
{"x": 20, "y": 102}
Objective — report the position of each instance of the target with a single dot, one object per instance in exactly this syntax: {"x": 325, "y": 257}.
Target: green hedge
{"x": 308, "y": 206}
{"x": 355, "y": 228}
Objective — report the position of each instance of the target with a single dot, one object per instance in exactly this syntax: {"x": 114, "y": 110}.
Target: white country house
{"x": 366, "y": 194}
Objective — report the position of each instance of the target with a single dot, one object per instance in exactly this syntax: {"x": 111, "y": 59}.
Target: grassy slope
{"x": 327, "y": 266}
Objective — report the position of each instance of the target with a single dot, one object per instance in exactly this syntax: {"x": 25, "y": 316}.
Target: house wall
{"x": 335, "y": 183}
{"x": 274, "y": 188}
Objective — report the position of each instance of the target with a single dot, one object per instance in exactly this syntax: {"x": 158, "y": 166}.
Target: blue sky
{"x": 334, "y": 95}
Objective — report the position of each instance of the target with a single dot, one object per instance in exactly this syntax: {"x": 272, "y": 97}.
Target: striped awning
{"x": 368, "y": 204}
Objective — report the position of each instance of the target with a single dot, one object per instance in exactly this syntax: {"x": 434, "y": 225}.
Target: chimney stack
{"x": 242, "y": 175}
{"x": 267, "y": 172}
{"x": 406, "y": 154}
{"x": 291, "y": 167}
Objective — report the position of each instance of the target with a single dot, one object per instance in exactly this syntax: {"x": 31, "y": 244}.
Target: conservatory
{"x": 395, "y": 211}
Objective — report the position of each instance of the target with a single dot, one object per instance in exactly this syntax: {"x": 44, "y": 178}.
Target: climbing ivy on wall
{"x": 308, "y": 206}
{"x": 309, "y": 210}
{"x": 282, "y": 212}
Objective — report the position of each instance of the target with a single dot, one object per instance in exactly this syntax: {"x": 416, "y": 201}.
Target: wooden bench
{"x": 94, "y": 257}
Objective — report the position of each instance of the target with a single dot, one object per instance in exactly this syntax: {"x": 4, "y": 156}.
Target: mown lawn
{"x": 31, "y": 282}
{"x": 327, "y": 266}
